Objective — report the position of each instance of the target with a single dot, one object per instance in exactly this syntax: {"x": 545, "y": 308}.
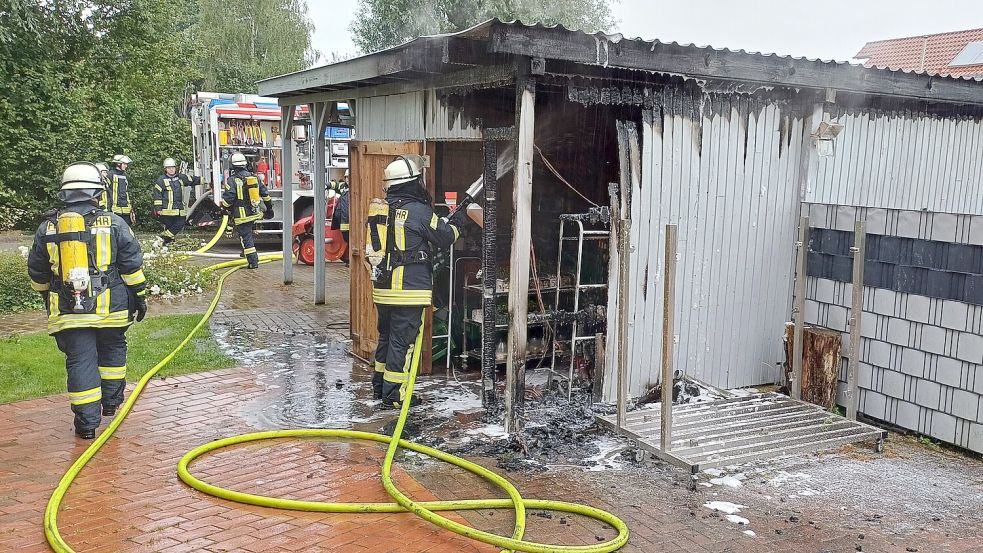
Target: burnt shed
{"x": 615, "y": 137}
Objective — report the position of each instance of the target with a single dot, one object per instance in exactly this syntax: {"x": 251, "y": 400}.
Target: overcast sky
{"x": 814, "y": 28}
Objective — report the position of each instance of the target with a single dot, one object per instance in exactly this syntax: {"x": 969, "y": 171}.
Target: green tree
{"x": 83, "y": 80}
{"x": 381, "y": 24}
{"x": 244, "y": 41}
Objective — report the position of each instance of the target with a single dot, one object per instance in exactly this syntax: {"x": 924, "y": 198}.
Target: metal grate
{"x": 738, "y": 430}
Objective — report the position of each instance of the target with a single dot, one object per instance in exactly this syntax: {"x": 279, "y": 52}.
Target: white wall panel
{"x": 724, "y": 168}
{"x": 905, "y": 160}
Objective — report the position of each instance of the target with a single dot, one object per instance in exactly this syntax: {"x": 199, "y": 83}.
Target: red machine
{"x": 335, "y": 248}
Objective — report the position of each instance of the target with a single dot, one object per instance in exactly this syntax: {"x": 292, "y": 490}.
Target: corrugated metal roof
{"x": 648, "y": 55}
{"x": 929, "y": 53}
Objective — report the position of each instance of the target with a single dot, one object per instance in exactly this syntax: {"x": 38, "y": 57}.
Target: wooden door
{"x": 368, "y": 160}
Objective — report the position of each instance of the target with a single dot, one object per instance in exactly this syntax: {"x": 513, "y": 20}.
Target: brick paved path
{"x": 295, "y": 374}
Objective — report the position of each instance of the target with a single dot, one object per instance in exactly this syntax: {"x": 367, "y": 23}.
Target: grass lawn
{"x": 32, "y": 366}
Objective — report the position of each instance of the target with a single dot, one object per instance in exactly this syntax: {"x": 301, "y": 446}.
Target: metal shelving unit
{"x": 582, "y": 235}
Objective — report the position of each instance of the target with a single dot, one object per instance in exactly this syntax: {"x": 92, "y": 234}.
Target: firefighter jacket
{"x": 244, "y": 195}
{"x": 409, "y": 232}
{"x": 169, "y": 194}
{"x": 339, "y": 217}
{"x": 105, "y": 194}
{"x": 115, "y": 270}
{"x": 117, "y": 193}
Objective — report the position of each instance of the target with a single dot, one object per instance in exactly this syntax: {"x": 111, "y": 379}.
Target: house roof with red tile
{"x": 929, "y": 53}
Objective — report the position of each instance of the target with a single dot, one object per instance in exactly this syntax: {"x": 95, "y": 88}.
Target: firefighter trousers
{"x": 95, "y": 359}
{"x": 400, "y": 342}
{"x": 173, "y": 224}
{"x": 245, "y": 231}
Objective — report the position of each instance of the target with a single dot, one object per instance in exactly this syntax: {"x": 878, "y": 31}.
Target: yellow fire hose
{"x": 423, "y": 509}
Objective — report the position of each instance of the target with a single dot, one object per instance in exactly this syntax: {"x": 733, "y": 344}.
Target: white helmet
{"x": 169, "y": 162}
{"x": 81, "y": 176}
{"x": 404, "y": 169}
{"x": 237, "y": 160}
{"x": 120, "y": 158}
{"x": 101, "y": 167}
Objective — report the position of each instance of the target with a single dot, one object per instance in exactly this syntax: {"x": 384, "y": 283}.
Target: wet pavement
{"x": 294, "y": 373}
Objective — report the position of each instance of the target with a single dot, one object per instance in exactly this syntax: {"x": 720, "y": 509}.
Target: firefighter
{"x": 339, "y": 217}
{"x": 86, "y": 264}
{"x": 248, "y": 201}
{"x": 402, "y": 231}
{"x": 168, "y": 205}
{"x": 104, "y": 173}
{"x": 118, "y": 198}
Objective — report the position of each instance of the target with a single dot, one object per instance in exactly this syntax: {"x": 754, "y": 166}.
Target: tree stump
{"x": 820, "y": 363}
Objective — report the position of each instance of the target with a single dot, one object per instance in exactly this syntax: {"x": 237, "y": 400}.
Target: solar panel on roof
{"x": 972, "y": 54}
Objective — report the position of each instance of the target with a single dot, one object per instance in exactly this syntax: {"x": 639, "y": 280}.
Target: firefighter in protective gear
{"x": 339, "y": 217}
{"x": 248, "y": 201}
{"x": 104, "y": 173}
{"x": 401, "y": 233}
{"x": 168, "y": 204}
{"x": 86, "y": 263}
{"x": 118, "y": 197}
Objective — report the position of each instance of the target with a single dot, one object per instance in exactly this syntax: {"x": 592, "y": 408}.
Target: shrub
{"x": 169, "y": 273}
{"x": 16, "y": 294}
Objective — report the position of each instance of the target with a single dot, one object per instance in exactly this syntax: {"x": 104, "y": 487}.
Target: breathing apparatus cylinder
{"x": 252, "y": 185}
{"x": 375, "y": 246}
{"x": 73, "y": 257}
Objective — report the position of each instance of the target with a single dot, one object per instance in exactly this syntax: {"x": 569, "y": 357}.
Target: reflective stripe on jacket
{"x": 169, "y": 193}
{"x": 114, "y": 257}
{"x": 118, "y": 194}
{"x": 235, "y": 195}
{"x": 415, "y": 228}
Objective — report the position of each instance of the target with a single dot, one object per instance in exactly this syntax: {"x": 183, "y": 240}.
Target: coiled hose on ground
{"x": 426, "y": 510}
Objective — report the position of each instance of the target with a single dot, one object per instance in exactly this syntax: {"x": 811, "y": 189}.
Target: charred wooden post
{"x": 489, "y": 254}
{"x": 515, "y": 376}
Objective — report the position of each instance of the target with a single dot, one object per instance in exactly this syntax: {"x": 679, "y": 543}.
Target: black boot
{"x": 109, "y": 410}
{"x": 86, "y": 434}
{"x": 389, "y": 403}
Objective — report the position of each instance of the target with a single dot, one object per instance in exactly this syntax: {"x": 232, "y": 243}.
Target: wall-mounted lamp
{"x": 825, "y": 136}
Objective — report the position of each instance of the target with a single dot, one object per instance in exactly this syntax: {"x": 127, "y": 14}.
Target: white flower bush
{"x": 170, "y": 274}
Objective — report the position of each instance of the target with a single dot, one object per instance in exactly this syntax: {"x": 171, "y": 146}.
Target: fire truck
{"x": 222, "y": 124}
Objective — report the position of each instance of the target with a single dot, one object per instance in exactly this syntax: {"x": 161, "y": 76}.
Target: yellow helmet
{"x": 404, "y": 169}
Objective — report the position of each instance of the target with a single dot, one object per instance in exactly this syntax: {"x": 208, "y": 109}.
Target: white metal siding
{"x": 412, "y": 116}
{"x": 445, "y": 122}
{"x": 397, "y": 117}
{"x": 902, "y": 160}
{"x": 728, "y": 177}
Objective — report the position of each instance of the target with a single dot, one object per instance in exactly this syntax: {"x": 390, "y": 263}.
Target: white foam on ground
{"x": 491, "y": 431}
{"x": 749, "y": 533}
{"x": 714, "y": 472}
{"x": 735, "y": 481}
{"x": 605, "y": 458}
{"x": 725, "y": 507}
{"x": 738, "y": 520}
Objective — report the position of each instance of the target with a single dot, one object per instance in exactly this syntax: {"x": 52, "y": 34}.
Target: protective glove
{"x": 138, "y": 310}
{"x": 459, "y": 219}
{"x": 268, "y": 214}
